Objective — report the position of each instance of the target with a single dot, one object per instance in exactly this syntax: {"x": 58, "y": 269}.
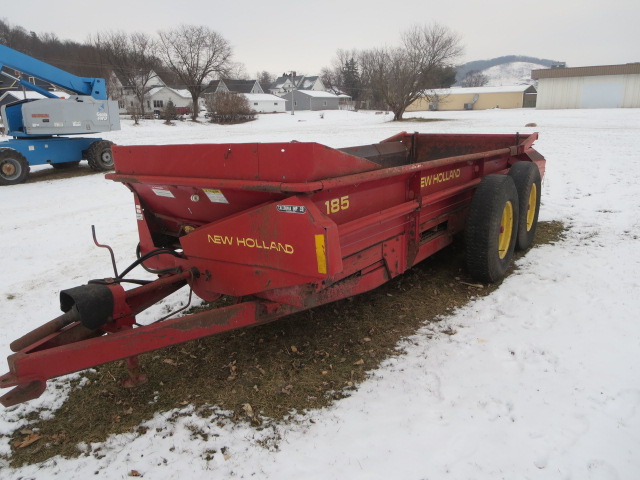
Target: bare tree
{"x": 195, "y": 54}
{"x": 265, "y": 79}
{"x": 132, "y": 57}
{"x": 400, "y": 74}
{"x": 474, "y": 78}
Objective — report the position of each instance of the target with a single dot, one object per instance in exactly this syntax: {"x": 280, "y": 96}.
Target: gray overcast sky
{"x": 303, "y": 36}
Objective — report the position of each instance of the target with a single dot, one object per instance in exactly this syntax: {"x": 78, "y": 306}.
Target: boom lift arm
{"x": 94, "y": 87}
{"x": 38, "y": 126}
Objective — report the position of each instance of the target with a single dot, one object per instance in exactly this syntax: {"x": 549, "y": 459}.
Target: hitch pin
{"x": 113, "y": 258}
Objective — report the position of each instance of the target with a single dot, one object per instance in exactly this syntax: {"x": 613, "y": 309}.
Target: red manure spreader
{"x": 280, "y": 228}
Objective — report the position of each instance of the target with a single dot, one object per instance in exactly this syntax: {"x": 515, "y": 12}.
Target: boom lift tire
{"x": 492, "y": 227}
{"x": 99, "y": 156}
{"x": 14, "y": 167}
{"x": 526, "y": 177}
{"x": 65, "y": 165}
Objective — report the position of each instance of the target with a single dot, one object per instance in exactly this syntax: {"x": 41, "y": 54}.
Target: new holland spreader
{"x": 280, "y": 228}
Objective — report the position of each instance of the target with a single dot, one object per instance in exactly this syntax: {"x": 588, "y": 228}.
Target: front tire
{"x": 14, "y": 167}
{"x": 492, "y": 226}
{"x": 526, "y": 178}
{"x": 99, "y": 156}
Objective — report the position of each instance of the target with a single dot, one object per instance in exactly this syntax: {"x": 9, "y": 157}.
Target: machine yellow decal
{"x": 321, "y": 254}
{"x": 439, "y": 177}
{"x": 249, "y": 242}
{"x": 336, "y": 205}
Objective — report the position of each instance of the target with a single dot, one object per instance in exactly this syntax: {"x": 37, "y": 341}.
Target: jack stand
{"x": 135, "y": 377}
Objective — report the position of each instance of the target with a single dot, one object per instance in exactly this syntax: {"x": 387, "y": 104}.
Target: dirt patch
{"x": 421, "y": 119}
{"x": 305, "y": 361}
{"x": 46, "y": 174}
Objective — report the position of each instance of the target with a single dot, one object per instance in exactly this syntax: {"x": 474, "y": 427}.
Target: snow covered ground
{"x": 542, "y": 380}
{"x": 512, "y": 73}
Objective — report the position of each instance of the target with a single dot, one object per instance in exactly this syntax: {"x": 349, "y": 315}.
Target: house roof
{"x": 626, "y": 69}
{"x": 239, "y": 86}
{"x": 306, "y": 83}
{"x": 180, "y": 93}
{"x": 479, "y": 90}
{"x": 317, "y": 93}
{"x": 280, "y": 81}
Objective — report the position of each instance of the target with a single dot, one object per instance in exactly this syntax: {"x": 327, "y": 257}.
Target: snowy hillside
{"x": 514, "y": 73}
{"x": 540, "y": 380}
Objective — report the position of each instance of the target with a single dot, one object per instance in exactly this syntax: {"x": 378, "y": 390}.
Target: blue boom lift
{"x": 38, "y": 125}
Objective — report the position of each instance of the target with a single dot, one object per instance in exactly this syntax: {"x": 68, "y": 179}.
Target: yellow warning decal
{"x": 321, "y": 254}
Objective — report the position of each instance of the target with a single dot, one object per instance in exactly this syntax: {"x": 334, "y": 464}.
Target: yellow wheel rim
{"x": 506, "y": 229}
{"x": 531, "y": 206}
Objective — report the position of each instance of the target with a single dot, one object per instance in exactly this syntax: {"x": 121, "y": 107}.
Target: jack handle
{"x": 113, "y": 258}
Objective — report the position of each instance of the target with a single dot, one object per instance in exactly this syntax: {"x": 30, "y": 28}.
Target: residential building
{"x": 311, "y": 100}
{"x": 265, "y": 103}
{"x": 288, "y": 82}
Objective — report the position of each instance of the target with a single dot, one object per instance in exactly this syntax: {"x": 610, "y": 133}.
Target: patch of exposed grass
{"x": 421, "y": 119}
{"x": 305, "y": 361}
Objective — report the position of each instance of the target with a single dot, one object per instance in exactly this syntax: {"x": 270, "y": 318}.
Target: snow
{"x": 513, "y": 73}
{"x": 541, "y": 380}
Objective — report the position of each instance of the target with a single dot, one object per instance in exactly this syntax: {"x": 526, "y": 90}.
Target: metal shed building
{"x": 476, "y": 98}
{"x": 606, "y": 86}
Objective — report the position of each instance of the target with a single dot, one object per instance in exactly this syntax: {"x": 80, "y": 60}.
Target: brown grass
{"x": 305, "y": 361}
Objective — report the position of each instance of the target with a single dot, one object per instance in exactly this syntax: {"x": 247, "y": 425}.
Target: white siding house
{"x": 158, "y": 98}
{"x": 265, "y": 103}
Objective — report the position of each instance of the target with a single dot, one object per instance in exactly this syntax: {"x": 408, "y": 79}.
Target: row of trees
{"x": 385, "y": 77}
{"x": 394, "y": 77}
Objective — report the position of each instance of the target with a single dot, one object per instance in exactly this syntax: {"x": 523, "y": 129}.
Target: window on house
{"x": 295, "y": 104}
{"x": 255, "y": 103}
{"x": 158, "y": 104}
{"x": 275, "y": 103}
{"x": 148, "y": 104}
{"x": 120, "y": 103}
{"x": 324, "y": 103}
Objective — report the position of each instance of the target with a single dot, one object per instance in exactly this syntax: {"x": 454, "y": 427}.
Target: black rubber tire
{"x": 488, "y": 229}
{"x": 99, "y": 156}
{"x": 14, "y": 167}
{"x": 526, "y": 178}
{"x": 65, "y": 165}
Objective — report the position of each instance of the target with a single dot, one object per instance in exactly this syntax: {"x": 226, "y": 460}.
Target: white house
{"x": 159, "y": 97}
{"x": 265, "y": 103}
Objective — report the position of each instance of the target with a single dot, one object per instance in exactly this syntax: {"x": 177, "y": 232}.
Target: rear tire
{"x": 99, "y": 156}
{"x": 526, "y": 178}
{"x": 14, "y": 167}
{"x": 65, "y": 165}
{"x": 492, "y": 228}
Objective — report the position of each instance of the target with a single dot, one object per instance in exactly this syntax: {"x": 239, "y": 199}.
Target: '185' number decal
{"x": 335, "y": 205}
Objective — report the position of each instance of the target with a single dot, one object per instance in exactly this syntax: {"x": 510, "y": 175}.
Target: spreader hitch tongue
{"x": 91, "y": 305}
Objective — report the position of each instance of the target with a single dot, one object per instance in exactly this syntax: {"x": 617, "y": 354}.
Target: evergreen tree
{"x": 351, "y": 78}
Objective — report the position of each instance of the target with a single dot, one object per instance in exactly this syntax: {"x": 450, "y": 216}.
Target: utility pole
{"x": 293, "y": 82}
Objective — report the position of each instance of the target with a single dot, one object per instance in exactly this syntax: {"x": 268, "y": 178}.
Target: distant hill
{"x": 507, "y": 70}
